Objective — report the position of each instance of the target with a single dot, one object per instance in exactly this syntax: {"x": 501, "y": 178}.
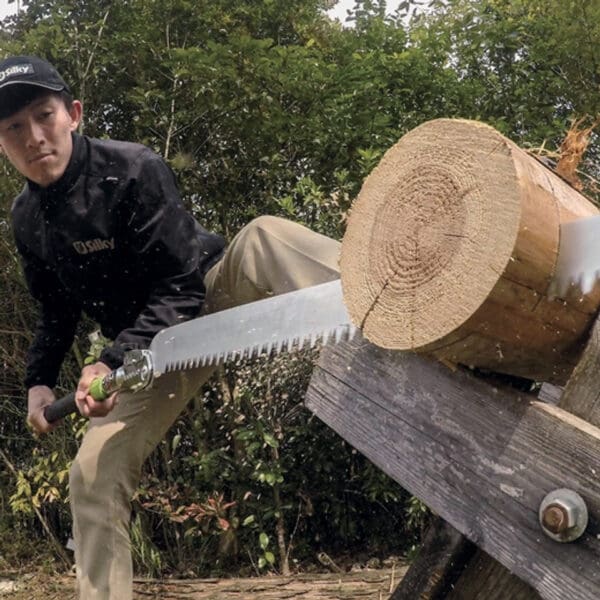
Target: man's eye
{"x": 13, "y": 127}
{"x": 46, "y": 114}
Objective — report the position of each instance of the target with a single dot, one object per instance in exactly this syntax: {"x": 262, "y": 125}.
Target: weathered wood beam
{"x": 486, "y": 579}
{"x": 582, "y": 392}
{"x": 482, "y": 458}
{"x": 450, "y": 567}
{"x": 443, "y": 547}
{"x": 483, "y": 577}
{"x": 442, "y": 557}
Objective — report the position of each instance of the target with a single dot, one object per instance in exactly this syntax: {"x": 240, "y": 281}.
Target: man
{"x": 101, "y": 229}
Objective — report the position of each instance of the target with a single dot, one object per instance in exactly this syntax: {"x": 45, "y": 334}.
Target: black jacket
{"x": 110, "y": 238}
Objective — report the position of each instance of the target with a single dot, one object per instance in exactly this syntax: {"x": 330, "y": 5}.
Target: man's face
{"x": 37, "y": 139}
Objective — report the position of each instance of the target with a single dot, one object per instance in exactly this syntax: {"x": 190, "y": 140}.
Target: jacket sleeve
{"x": 55, "y": 329}
{"x": 170, "y": 248}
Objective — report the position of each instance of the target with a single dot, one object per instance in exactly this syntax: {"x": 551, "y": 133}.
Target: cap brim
{"x": 47, "y": 86}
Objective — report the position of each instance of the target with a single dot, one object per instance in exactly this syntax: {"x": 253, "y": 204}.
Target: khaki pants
{"x": 269, "y": 256}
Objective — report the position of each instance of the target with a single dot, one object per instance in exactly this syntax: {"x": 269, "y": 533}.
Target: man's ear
{"x": 76, "y": 112}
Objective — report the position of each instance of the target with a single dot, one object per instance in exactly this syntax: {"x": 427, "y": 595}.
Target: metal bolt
{"x": 558, "y": 517}
{"x": 563, "y": 515}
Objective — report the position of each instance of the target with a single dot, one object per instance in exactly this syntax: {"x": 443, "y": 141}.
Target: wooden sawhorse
{"x": 481, "y": 456}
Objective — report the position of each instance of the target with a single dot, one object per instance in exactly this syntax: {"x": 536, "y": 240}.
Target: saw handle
{"x": 60, "y": 408}
{"x": 66, "y": 405}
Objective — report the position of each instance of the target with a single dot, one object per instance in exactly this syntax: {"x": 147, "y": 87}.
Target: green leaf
{"x": 175, "y": 442}
{"x": 263, "y": 540}
{"x": 270, "y": 440}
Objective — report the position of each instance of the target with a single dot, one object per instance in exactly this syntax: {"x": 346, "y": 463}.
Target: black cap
{"x": 21, "y": 80}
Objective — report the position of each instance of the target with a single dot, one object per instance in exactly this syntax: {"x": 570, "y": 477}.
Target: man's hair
{"x": 67, "y": 99}
{"x": 21, "y": 96}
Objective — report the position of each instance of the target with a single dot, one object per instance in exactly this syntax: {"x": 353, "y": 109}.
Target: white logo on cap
{"x": 16, "y": 70}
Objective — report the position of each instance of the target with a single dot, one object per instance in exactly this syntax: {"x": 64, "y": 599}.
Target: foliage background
{"x": 268, "y": 107}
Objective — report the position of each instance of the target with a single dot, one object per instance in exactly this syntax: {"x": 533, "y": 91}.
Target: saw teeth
{"x": 587, "y": 283}
{"x": 336, "y": 334}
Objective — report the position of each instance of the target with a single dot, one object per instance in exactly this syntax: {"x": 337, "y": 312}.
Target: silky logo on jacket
{"x": 95, "y": 245}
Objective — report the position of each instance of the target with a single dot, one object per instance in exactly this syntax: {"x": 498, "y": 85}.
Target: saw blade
{"x": 578, "y": 262}
{"x": 279, "y": 323}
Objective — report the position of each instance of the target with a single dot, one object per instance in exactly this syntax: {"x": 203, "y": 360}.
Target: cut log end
{"x": 430, "y": 234}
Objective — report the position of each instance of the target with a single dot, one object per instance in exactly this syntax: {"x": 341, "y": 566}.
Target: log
{"x": 450, "y": 249}
{"x": 480, "y": 457}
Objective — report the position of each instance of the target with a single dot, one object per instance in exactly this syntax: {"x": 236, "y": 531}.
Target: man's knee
{"x": 260, "y": 229}
{"x": 253, "y": 239}
{"x": 268, "y": 225}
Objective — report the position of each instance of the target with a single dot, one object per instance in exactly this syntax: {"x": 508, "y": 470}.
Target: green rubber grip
{"x": 97, "y": 391}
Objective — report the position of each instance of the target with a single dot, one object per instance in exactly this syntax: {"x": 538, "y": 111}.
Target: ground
{"x": 365, "y": 584}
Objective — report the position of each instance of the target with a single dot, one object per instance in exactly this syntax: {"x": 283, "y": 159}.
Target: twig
{"x": 83, "y": 74}
{"x": 253, "y": 563}
{"x": 291, "y": 540}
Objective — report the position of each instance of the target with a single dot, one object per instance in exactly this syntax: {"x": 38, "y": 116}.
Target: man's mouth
{"x": 39, "y": 157}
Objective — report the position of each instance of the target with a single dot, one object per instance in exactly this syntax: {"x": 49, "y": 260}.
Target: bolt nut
{"x": 563, "y": 515}
{"x": 558, "y": 517}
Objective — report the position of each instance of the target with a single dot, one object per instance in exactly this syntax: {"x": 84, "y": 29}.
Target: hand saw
{"x": 281, "y": 323}
{"x": 578, "y": 262}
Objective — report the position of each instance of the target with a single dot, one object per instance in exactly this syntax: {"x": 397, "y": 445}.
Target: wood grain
{"x": 480, "y": 457}
{"x": 442, "y": 557}
{"x": 450, "y": 249}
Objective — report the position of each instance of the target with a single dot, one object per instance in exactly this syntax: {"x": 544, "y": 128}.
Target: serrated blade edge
{"x": 578, "y": 262}
{"x": 281, "y": 323}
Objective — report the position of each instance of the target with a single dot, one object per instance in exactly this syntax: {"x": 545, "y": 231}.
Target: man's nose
{"x": 35, "y": 134}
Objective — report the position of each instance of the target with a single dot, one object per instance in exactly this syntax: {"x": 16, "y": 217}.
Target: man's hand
{"x": 87, "y": 406}
{"x": 38, "y": 397}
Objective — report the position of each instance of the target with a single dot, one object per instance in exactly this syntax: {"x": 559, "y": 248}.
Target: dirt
{"x": 366, "y": 584}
